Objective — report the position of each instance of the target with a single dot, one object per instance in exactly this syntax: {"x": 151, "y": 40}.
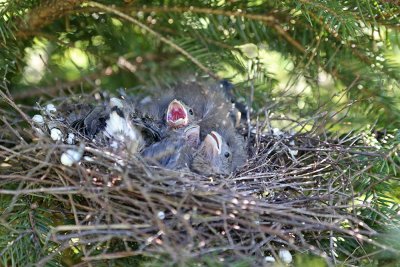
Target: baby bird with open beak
{"x": 221, "y": 152}
{"x": 188, "y": 102}
{"x": 175, "y": 151}
{"x": 167, "y": 116}
{"x": 178, "y": 114}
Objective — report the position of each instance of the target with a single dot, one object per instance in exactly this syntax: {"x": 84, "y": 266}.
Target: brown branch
{"x": 9, "y": 101}
{"x": 267, "y": 19}
{"x": 45, "y": 14}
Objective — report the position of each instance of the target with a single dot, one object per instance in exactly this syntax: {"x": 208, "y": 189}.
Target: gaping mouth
{"x": 176, "y": 114}
{"x": 213, "y": 141}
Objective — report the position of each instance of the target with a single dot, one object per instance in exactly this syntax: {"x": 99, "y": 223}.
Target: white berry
{"x": 56, "y": 134}
{"x": 50, "y": 109}
{"x": 269, "y": 259}
{"x": 285, "y": 256}
{"x": 161, "y": 215}
{"x": 70, "y": 157}
{"x": 38, "y": 119}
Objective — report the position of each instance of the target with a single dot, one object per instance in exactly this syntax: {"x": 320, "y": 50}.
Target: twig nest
{"x": 50, "y": 109}
{"x": 285, "y": 256}
{"x": 38, "y": 119}
{"x": 70, "y": 157}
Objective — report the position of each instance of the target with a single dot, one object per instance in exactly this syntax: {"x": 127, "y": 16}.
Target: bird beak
{"x": 177, "y": 115}
{"x": 192, "y": 135}
{"x": 212, "y": 144}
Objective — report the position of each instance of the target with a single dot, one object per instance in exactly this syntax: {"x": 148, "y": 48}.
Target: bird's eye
{"x": 191, "y": 112}
{"x": 227, "y": 154}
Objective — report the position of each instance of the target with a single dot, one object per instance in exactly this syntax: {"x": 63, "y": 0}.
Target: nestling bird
{"x": 122, "y": 132}
{"x": 111, "y": 125}
{"x": 221, "y": 152}
{"x": 169, "y": 113}
{"x": 175, "y": 150}
{"x": 189, "y": 102}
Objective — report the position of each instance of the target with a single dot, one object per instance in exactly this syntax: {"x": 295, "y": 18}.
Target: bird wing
{"x": 166, "y": 152}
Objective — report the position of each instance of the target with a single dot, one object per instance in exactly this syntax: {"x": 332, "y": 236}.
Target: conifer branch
{"x": 45, "y": 14}
{"x": 157, "y": 35}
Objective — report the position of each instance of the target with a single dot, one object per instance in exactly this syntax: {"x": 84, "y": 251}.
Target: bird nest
{"x": 295, "y": 194}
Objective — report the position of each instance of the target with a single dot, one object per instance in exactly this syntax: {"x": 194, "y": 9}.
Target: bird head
{"x": 178, "y": 114}
{"x": 214, "y": 155}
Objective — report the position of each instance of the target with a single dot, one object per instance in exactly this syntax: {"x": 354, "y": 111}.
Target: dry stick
{"x": 12, "y": 104}
{"x": 157, "y": 35}
{"x": 112, "y": 256}
{"x": 54, "y": 190}
{"x": 15, "y": 132}
{"x": 249, "y": 106}
{"x": 74, "y": 211}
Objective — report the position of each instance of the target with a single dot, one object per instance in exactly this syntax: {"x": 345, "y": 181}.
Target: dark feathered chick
{"x": 189, "y": 102}
{"x": 169, "y": 113}
{"x": 221, "y": 152}
{"x": 175, "y": 151}
{"x": 111, "y": 125}
{"x": 92, "y": 122}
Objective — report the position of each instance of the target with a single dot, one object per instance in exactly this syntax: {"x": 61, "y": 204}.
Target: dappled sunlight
{"x": 36, "y": 61}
